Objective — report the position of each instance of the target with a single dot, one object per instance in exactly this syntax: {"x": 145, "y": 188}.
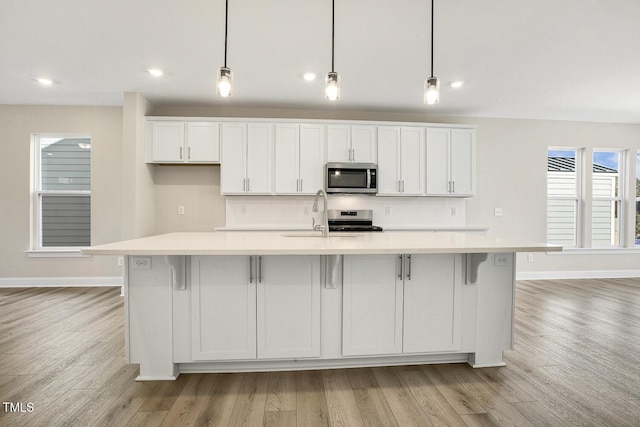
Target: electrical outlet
{"x": 454, "y": 211}
{"x": 243, "y": 209}
{"x": 529, "y": 257}
{"x": 140, "y": 263}
{"x": 387, "y": 211}
{"x": 497, "y": 212}
{"x": 120, "y": 260}
{"x": 502, "y": 260}
{"x": 180, "y": 210}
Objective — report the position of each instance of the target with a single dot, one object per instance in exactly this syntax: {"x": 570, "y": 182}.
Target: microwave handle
{"x": 368, "y": 178}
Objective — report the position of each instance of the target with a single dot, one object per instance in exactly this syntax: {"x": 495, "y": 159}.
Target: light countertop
{"x": 308, "y": 243}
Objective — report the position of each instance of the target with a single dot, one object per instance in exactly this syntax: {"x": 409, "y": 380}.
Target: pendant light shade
{"x": 224, "y": 82}
{"x": 431, "y": 85}
{"x": 332, "y": 90}
{"x": 431, "y": 91}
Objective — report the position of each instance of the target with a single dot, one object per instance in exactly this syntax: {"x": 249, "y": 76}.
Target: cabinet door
{"x": 463, "y": 161}
{"x": 203, "y": 142}
{"x": 338, "y": 143}
{"x": 412, "y": 161}
{"x": 167, "y": 139}
{"x": 223, "y": 308}
{"x": 432, "y": 303}
{"x": 259, "y": 158}
{"x": 233, "y": 165}
{"x": 438, "y": 161}
{"x": 311, "y": 158}
{"x": 288, "y": 307}
{"x": 371, "y": 305}
{"x": 287, "y": 180}
{"x": 364, "y": 144}
{"x": 389, "y": 160}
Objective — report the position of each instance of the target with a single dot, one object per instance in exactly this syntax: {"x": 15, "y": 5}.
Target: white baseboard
{"x": 583, "y": 274}
{"x": 56, "y": 282}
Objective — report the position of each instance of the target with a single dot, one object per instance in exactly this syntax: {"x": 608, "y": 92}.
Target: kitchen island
{"x": 258, "y": 301}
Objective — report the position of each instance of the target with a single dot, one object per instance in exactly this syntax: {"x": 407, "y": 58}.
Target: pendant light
{"x": 332, "y": 90}
{"x": 431, "y": 85}
{"x": 224, "y": 83}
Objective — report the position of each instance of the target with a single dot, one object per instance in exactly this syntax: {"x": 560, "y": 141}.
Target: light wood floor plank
{"x": 576, "y": 362}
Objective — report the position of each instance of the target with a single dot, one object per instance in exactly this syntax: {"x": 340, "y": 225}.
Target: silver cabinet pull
{"x": 409, "y": 267}
{"x": 453, "y": 186}
{"x": 403, "y": 185}
{"x": 189, "y": 153}
{"x": 259, "y": 269}
{"x": 248, "y": 184}
{"x": 301, "y": 185}
{"x": 400, "y": 273}
{"x": 244, "y": 184}
{"x": 180, "y": 153}
{"x": 250, "y": 269}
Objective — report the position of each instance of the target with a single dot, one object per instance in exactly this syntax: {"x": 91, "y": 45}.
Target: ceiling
{"x": 545, "y": 59}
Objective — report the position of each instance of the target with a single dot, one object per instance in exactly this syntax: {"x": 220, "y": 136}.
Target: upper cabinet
{"x": 352, "y": 144}
{"x": 401, "y": 161}
{"x": 183, "y": 142}
{"x": 450, "y": 162}
{"x": 299, "y": 158}
{"x": 247, "y": 158}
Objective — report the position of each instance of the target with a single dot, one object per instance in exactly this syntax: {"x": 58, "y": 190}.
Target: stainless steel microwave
{"x": 351, "y": 178}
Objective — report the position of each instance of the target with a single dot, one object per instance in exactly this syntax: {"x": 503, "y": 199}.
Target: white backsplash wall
{"x": 294, "y": 212}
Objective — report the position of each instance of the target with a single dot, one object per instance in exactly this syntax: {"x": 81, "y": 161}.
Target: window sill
{"x": 56, "y": 253}
{"x": 596, "y": 251}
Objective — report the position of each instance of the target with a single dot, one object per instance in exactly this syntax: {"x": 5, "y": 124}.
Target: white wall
{"x": 17, "y": 123}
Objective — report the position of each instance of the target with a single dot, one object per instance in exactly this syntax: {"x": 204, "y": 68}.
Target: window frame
{"x": 619, "y": 199}
{"x": 578, "y": 198}
{"x": 37, "y": 193}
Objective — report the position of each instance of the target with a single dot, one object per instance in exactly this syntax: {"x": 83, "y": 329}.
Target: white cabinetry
{"x": 223, "y": 308}
{"x": 401, "y": 161}
{"x": 371, "y": 306}
{"x": 247, "y": 158}
{"x": 183, "y": 142}
{"x": 346, "y": 143}
{"x": 261, "y": 307}
{"x": 299, "y": 158}
{"x": 401, "y": 304}
{"x": 450, "y": 162}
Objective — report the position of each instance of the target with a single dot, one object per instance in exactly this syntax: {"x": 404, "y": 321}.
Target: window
{"x": 606, "y": 203}
{"x": 61, "y": 206}
{"x": 563, "y": 196}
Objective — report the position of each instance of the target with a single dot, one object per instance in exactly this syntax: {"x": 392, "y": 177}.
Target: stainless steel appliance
{"x": 351, "y": 220}
{"x": 351, "y": 178}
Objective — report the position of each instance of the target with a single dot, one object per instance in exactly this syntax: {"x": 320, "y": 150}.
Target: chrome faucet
{"x": 325, "y": 220}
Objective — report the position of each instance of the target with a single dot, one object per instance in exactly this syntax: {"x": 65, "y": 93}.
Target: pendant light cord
{"x": 432, "y": 1}
{"x": 226, "y": 19}
{"x": 333, "y": 31}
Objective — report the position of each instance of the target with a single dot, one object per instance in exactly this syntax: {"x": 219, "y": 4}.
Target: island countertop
{"x": 309, "y": 243}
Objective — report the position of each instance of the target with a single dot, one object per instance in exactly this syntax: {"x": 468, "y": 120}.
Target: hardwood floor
{"x": 576, "y": 362}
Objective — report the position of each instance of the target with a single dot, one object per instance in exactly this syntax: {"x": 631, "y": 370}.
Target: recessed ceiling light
{"x": 45, "y": 81}
{"x": 155, "y": 72}
{"x": 309, "y": 76}
{"x": 457, "y": 84}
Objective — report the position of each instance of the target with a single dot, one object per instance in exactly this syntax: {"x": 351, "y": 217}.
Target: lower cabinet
{"x": 401, "y": 304}
{"x": 255, "y": 307}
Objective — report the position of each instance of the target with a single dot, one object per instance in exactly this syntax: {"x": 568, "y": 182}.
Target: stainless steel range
{"x": 351, "y": 220}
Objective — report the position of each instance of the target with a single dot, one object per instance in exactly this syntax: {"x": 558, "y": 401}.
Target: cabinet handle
{"x": 409, "y": 267}
{"x": 400, "y": 273}
{"x": 301, "y": 185}
{"x": 244, "y": 184}
{"x": 453, "y": 186}
{"x": 248, "y": 184}
{"x": 250, "y": 269}
{"x": 260, "y": 269}
{"x": 403, "y": 185}
{"x": 180, "y": 153}
{"x": 399, "y": 186}
{"x": 189, "y": 153}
